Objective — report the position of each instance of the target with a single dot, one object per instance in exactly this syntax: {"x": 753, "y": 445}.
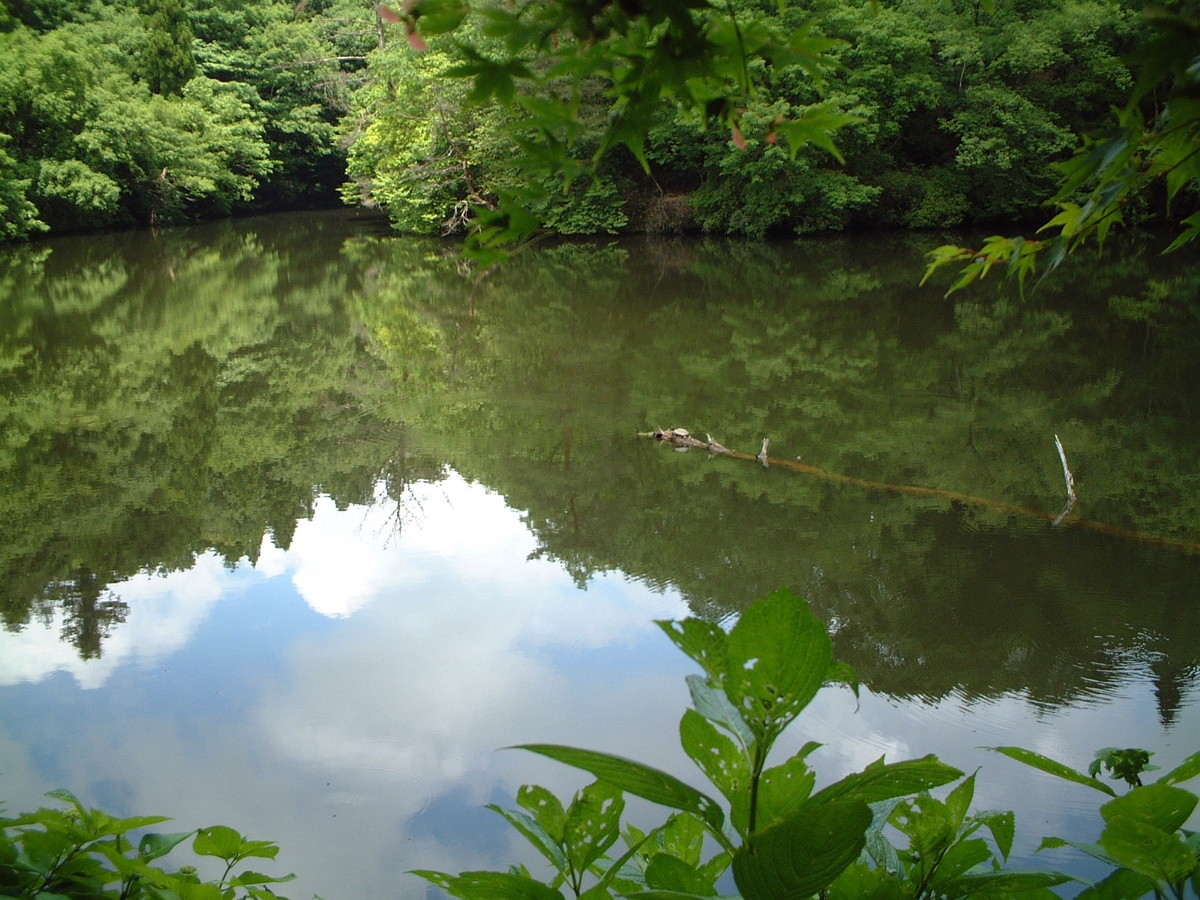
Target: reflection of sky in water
{"x": 360, "y": 727}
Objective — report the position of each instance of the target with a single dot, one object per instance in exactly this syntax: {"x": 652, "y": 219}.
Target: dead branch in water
{"x": 1070, "y": 480}
{"x": 682, "y": 439}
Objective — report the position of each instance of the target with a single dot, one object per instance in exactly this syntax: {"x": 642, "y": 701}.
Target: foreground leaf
{"x": 883, "y": 781}
{"x": 492, "y": 885}
{"x": 638, "y": 779}
{"x": 802, "y": 855}
{"x": 1053, "y": 767}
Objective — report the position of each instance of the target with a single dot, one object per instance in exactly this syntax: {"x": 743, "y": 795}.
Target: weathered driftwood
{"x": 682, "y": 439}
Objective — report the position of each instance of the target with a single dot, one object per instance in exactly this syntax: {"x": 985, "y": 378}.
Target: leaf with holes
{"x": 545, "y": 808}
{"x": 593, "y": 824}
{"x": 718, "y": 757}
{"x": 783, "y": 789}
{"x": 704, "y": 642}
{"x": 529, "y": 828}
{"x": 779, "y": 656}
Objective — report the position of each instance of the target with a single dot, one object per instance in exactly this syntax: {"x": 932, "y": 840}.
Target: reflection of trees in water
{"x": 199, "y": 395}
{"x": 205, "y": 392}
{"x": 88, "y": 619}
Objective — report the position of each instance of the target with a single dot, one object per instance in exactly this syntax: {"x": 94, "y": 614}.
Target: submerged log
{"x": 682, "y": 439}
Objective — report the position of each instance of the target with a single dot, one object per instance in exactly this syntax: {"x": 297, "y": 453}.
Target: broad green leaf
{"x": 682, "y": 837}
{"x": 66, "y": 797}
{"x": 1190, "y": 767}
{"x": 43, "y": 849}
{"x": 958, "y": 801}
{"x": 248, "y": 878}
{"x": 638, "y": 779}
{"x": 1053, "y": 767}
{"x": 218, "y": 840}
{"x": 703, "y": 642}
{"x": 1143, "y": 848}
{"x": 668, "y": 873}
{"x": 533, "y": 832}
{"x": 1003, "y": 826}
{"x": 715, "y": 706}
{"x": 779, "y": 655}
{"x": 718, "y": 757}
{"x": 1121, "y": 884}
{"x": 928, "y": 823}
{"x": 490, "y": 885}
{"x": 844, "y": 673}
{"x": 959, "y": 860}
{"x": 1155, "y": 805}
{"x": 593, "y": 824}
{"x": 861, "y": 882}
{"x": 1090, "y": 849}
{"x": 205, "y": 890}
{"x": 1003, "y": 884}
{"x": 783, "y": 789}
{"x": 545, "y": 807}
{"x": 879, "y": 848}
{"x": 154, "y": 846}
{"x": 121, "y": 826}
{"x": 600, "y": 890}
{"x": 802, "y": 855}
{"x": 882, "y": 781}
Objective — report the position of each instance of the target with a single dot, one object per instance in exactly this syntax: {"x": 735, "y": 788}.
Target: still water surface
{"x": 298, "y": 526}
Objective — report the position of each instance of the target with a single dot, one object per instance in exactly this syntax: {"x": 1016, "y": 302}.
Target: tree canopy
{"x": 749, "y": 118}
{"x": 119, "y": 112}
{"x": 587, "y": 116}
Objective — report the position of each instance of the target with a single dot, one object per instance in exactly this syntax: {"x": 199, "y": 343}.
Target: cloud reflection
{"x": 366, "y": 741}
{"x": 165, "y": 610}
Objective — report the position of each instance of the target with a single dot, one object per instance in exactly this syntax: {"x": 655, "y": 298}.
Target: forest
{"x": 904, "y": 114}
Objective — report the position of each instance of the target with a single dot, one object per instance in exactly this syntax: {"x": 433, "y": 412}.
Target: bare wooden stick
{"x": 682, "y": 439}
{"x": 1069, "y": 479}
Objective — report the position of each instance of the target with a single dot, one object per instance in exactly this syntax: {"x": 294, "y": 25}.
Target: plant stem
{"x": 760, "y": 760}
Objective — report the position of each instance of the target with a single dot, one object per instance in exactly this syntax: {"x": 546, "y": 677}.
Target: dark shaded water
{"x": 297, "y": 526}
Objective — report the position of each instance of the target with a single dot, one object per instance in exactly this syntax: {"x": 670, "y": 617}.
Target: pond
{"x": 300, "y": 524}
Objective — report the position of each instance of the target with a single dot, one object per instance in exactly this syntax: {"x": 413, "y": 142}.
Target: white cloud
{"x": 164, "y": 612}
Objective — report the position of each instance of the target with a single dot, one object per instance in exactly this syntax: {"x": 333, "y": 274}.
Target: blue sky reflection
{"x": 347, "y": 697}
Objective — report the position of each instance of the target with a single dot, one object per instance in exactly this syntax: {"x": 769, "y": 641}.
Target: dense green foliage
{"x": 87, "y": 854}
{"x": 877, "y": 834}
{"x": 741, "y": 117}
{"x": 156, "y": 111}
{"x": 1148, "y": 156}
{"x": 942, "y": 114}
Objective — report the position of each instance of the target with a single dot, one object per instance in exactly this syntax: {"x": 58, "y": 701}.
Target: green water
{"x": 200, "y": 394}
